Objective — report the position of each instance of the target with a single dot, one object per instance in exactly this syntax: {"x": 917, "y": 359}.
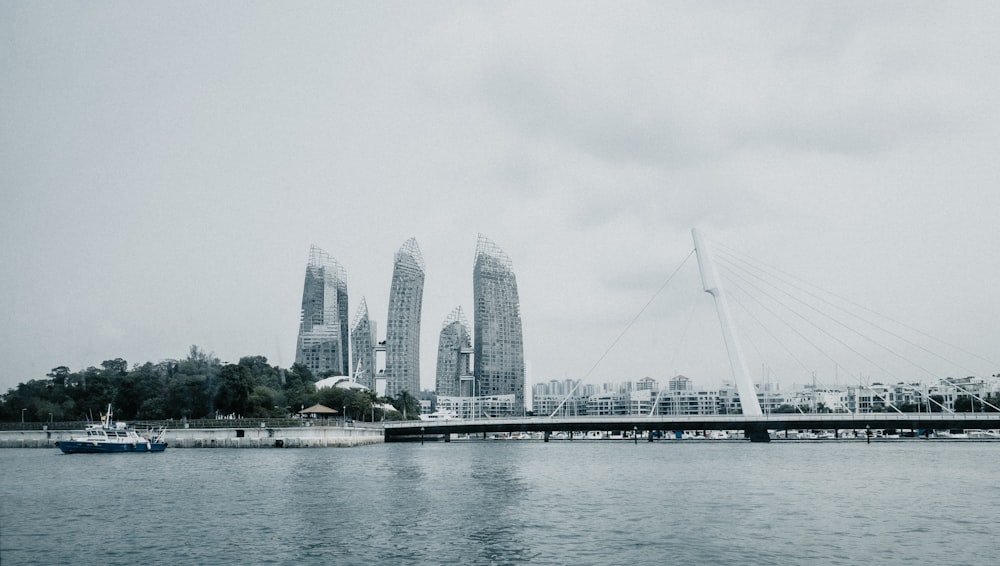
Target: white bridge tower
{"x": 713, "y": 286}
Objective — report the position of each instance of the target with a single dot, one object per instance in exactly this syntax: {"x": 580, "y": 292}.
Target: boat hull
{"x": 86, "y": 447}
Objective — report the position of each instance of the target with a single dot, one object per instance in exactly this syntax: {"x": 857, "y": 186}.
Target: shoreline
{"x": 258, "y": 437}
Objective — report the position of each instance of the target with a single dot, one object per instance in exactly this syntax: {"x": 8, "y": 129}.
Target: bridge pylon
{"x": 713, "y": 286}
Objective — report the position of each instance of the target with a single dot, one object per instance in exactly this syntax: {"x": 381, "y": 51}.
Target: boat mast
{"x": 712, "y": 285}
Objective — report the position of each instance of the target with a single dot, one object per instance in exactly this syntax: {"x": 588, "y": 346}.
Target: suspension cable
{"x": 622, "y": 334}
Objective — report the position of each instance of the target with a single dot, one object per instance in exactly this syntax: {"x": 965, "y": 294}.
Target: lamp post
{"x": 22, "y": 414}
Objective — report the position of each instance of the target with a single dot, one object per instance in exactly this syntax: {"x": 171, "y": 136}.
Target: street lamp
{"x": 22, "y": 414}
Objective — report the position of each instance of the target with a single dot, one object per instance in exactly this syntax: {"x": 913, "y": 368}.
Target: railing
{"x": 196, "y": 423}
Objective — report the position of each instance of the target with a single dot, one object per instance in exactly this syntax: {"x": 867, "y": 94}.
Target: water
{"x": 507, "y": 502}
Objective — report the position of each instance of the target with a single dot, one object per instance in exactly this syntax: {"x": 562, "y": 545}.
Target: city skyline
{"x": 163, "y": 171}
{"x": 497, "y": 350}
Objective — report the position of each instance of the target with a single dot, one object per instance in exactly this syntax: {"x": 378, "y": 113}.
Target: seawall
{"x": 262, "y": 437}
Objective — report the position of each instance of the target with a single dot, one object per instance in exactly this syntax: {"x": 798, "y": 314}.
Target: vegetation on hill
{"x": 197, "y": 387}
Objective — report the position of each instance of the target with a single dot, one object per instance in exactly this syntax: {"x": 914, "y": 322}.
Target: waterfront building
{"x": 642, "y": 401}
{"x": 363, "y": 342}
{"x": 499, "y": 347}
{"x": 561, "y": 405}
{"x": 688, "y": 403}
{"x": 608, "y": 404}
{"x": 402, "y": 334}
{"x": 680, "y": 383}
{"x": 478, "y": 407}
{"x": 945, "y": 395}
{"x": 646, "y": 383}
{"x": 322, "y": 344}
{"x": 454, "y": 350}
{"x": 554, "y": 396}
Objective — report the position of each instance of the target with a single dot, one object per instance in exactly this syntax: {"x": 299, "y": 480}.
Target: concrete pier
{"x": 256, "y": 437}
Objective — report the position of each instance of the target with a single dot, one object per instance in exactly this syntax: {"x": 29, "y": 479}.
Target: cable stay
{"x": 826, "y": 332}
{"x": 622, "y": 334}
{"x": 736, "y": 272}
{"x": 734, "y": 256}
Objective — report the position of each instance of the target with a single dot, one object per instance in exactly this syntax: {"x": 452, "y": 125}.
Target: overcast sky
{"x": 164, "y": 168}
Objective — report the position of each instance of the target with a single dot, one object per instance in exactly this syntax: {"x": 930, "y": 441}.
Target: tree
{"x": 299, "y": 388}
{"x": 187, "y": 396}
{"x": 407, "y": 404}
{"x": 935, "y": 403}
{"x": 235, "y": 386}
{"x": 261, "y": 372}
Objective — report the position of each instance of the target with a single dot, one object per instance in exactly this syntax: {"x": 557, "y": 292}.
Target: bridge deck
{"x": 779, "y": 422}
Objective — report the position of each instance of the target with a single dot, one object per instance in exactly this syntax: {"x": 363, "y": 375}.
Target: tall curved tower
{"x": 322, "y": 343}
{"x": 363, "y": 344}
{"x": 453, "y": 359}
{"x": 499, "y": 345}
{"x": 402, "y": 333}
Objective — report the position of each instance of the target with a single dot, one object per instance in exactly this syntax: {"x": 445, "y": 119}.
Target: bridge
{"x": 755, "y": 427}
{"x": 756, "y": 424}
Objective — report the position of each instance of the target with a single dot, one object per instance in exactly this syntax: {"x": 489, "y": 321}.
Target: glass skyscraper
{"x": 363, "y": 338}
{"x": 322, "y": 343}
{"x": 499, "y": 345}
{"x": 402, "y": 333}
{"x": 454, "y": 347}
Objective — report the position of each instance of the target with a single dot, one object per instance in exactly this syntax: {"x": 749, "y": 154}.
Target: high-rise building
{"x": 402, "y": 333}
{"x": 454, "y": 347}
{"x": 499, "y": 345}
{"x": 363, "y": 336}
{"x": 322, "y": 343}
{"x": 679, "y": 383}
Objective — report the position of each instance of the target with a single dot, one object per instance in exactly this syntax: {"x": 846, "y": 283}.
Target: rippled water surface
{"x": 507, "y": 502}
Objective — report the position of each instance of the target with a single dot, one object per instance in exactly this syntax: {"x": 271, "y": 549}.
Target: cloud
{"x": 163, "y": 172}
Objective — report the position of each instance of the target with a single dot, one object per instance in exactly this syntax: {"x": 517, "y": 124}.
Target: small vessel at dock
{"x": 111, "y": 436}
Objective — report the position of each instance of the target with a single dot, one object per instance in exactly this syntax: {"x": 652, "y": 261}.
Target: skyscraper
{"x": 453, "y": 358}
{"x": 363, "y": 344}
{"x": 499, "y": 345}
{"x": 402, "y": 333}
{"x": 322, "y": 342}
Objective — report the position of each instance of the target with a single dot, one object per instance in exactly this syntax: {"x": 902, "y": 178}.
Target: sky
{"x": 164, "y": 169}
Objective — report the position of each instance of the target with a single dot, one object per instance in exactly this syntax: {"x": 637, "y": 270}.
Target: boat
{"x": 110, "y": 436}
{"x": 439, "y": 415}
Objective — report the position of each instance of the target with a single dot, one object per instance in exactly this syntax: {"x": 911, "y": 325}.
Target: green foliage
{"x": 407, "y": 404}
{"x": 967, "y": 403}
{"x": 198, "y": 386}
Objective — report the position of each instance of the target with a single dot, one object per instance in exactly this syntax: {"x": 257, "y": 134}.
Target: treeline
{"x": 197, "y": 387}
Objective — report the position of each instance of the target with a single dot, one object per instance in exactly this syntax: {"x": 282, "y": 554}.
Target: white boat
{"x": 439, "y": 415}
{"x": 110, "y": 436}
{"x": 983, "y": 434}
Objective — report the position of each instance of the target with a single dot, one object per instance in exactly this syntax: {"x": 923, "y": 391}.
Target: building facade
{"x": 499, "y": 346}
{"x": 363, "y": 337}
{"x": 322, "y": 344}
{"x": 454, "y": 347}
{"x": 402, "y": 333}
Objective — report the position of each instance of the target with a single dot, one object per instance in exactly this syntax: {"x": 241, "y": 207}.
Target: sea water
{"x": 507, "y": 502}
